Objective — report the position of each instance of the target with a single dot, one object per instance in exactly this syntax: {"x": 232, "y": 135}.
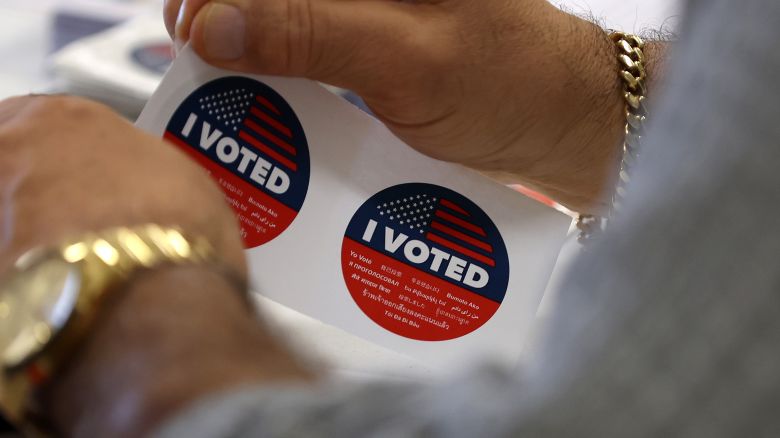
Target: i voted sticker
{"x": 425, "y": 262}
{"x": 252, "y": 143}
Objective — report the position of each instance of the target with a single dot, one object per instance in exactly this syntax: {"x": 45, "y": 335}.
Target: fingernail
{"x": 179, "y": 20}
{"x": 170, "y": 25}
{"x": 224, "y": 33}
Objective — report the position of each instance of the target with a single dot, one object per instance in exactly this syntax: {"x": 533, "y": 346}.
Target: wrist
{"x": 583, "y": 116}
{"x": 173, "y": 335}
{"x": 590, "y": 108}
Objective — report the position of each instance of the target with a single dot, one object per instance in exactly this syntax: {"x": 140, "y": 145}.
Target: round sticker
{"x": 424, "y": 262}
{"x": 251, "y": 142}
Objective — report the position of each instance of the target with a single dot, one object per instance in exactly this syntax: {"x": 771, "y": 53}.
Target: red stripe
{"x": 274, "y": 139}
{"x": 268, "y": 151}
{"x": 263, "y": 101}
{"x": 465, "y": 251}
{"x": 458, "y": 235}
{"x": 264, "y": 117}
{"x": 452, "y": 206}
{"x": 457, "y": 221}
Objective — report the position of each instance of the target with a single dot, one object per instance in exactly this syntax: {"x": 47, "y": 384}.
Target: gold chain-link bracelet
{"x": 631, "y": 60}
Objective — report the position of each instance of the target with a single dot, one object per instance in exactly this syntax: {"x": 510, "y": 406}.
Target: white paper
{"x": 352, "y": 158}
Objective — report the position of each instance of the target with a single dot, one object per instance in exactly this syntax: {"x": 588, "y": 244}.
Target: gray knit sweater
{"x": 670, "y": 327}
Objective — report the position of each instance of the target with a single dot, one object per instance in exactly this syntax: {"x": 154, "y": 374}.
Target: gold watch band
{"x": 106, "y": 261}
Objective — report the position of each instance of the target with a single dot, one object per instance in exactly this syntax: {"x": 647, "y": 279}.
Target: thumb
{"x": 364, "y": 45}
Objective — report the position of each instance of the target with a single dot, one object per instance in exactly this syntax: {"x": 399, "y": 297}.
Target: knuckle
{"x": 300, "y": 36}
{"x": 61, "y": 106}
{"x": 283, "y": 39}
{"x": 62, "y": 114}
{"x": 443, "y": 46}
{"x": 68, "y": 109}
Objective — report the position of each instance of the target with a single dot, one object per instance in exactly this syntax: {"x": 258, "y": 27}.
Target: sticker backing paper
{"x": 347, "y": 224}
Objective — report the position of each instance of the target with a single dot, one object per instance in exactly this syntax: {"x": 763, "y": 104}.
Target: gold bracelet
{"x": 631, "y": 60}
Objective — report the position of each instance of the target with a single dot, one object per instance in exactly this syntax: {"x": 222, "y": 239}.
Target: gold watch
{"x": 52, "y": 296}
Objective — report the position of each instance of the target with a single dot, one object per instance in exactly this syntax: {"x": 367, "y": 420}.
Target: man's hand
{"x": 518, "y": 88}
{"x": 69, "y": 166}
{"x": 175, "y": 334}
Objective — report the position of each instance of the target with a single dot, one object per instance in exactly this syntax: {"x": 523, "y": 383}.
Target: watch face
{"x": 35, "y": 303}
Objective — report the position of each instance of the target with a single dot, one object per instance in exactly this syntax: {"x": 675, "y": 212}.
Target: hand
{"x": 517, "y": 88}
{"x": 175, "y": 334}
{"x": 68, "y": 166}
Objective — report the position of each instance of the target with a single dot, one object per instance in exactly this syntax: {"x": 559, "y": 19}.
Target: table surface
{"x": 26, "y": 39}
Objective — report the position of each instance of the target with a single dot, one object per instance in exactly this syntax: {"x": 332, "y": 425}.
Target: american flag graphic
{"x": 441, "y": 221}
{"x": 256, "y": 120}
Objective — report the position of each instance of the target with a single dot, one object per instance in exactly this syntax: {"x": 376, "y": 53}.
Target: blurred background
{"x": 112, "y": 50}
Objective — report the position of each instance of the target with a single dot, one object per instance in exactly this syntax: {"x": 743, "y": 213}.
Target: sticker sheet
{"x": 344, "y": 222}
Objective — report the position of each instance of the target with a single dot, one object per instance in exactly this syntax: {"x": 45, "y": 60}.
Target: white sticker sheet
{"x": 347, "y": 224}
